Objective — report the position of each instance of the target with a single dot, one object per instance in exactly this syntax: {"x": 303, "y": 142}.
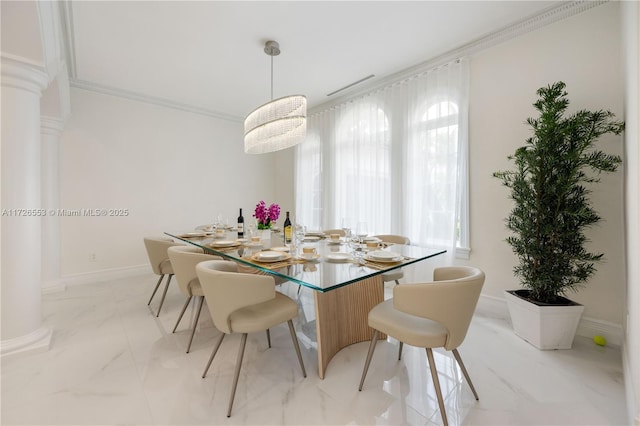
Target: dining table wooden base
{"x": 342, "y": 317}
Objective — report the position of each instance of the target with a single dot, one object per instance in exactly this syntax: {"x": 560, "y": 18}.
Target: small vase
{"x": 265, "y": 236}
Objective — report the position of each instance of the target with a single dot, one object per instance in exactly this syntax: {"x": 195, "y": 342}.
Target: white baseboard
{"x": 53, "y": 286}
{"x": 105, "y": 275}
{"x": 37, "y": 341}
{"x": 633, "y": 409}
{"x": 587, "y": 327}
{"x": 493, "y": 306}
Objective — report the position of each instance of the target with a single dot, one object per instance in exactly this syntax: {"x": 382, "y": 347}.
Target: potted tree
{"x": 552, "y": 211}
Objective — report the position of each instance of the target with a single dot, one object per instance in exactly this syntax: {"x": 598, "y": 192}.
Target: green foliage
{"x": 552, "y": 208}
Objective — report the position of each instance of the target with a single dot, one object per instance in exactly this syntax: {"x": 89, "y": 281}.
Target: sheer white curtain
{"x": 395, "y": 158}
{"x": 436, "y": 175}
{"x": 308, "y": 181}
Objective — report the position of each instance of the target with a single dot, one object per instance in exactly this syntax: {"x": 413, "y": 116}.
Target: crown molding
{"x": 154, "y": 100}
{"x": 549, "y": 16}
{"x": 68, "y": 36}
{"x": 532, "y": 23}
{"x": 66, "y": 16}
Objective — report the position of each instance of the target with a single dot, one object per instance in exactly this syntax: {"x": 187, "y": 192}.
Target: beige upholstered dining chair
{"x": 160, "y": 263}
{"x": 184, "y": 260}
{"x": 328, "y": 232}
{"x": 430, "y": 315}
{"x": 244, "y": 303}
{"x": 396, "y": 274}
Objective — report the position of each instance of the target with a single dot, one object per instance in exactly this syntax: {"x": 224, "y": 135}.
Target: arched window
{"x": 432, "y": 172}
{"x": 395, "y": 158}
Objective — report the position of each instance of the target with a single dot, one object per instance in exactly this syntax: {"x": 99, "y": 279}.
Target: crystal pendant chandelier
{"x": 279, "y": 124}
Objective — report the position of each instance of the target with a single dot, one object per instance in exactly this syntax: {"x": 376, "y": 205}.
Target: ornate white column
{"x": 22, "y": 331}
{"x": 50, "y": 131}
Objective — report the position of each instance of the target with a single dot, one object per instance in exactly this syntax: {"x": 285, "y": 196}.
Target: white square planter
{"x": 545, "y": 327}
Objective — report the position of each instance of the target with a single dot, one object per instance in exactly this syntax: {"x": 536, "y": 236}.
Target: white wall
{"x": 172, "y": 170}
{"x": 584, "y": 52}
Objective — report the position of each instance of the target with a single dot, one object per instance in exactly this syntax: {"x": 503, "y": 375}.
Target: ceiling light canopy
{"x": 276, "y": 125}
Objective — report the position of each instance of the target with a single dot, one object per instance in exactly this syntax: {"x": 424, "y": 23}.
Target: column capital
{"x": 51, "y": 125}
{"x": 22, "y": 75}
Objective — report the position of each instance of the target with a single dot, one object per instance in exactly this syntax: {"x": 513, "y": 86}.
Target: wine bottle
{"x": 240, "y": 225}
{"x": 287, "y": 229}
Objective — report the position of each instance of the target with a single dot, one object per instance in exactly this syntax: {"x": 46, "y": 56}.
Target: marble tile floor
{"x": 113, "y": 362}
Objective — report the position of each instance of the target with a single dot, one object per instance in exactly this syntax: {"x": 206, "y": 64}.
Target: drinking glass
{"x": 298, "y": 236}
{"x": 361, "y": 231}
{"x": 251, "y": 230}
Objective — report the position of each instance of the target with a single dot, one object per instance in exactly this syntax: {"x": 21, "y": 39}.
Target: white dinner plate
{"x": 338, "y": 257}
{"x": 308, "y": 256}
{"x": 382, "y": 255}
{"x": 270, "y": 256}
{"x": 281, "y": 249}
{"x": 310, "y": 238}
{"x": 224, "y": 243}
{"x": 192, "y": 234}
{"x": 393, "y": 259}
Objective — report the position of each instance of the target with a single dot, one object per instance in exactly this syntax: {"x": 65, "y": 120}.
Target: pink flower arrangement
{"x": 266, "y": 215}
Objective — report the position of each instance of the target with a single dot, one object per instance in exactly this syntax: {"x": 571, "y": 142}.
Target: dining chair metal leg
{"x": 236, "y": 375}
{"x": 184, "y": 308}
{"x": 436, "y": 384}
{"x": 296, "y": 345}
{"x": 195, "y": 323}
{"x": 213, "y": 354}
{"x": 164, "y": 294}
{"x": 464, "y": 371}
{"x": 155, "y": 289}
{"x": 299, "y": 288}
{"x": 372, "y": 347}
{"x": 269, "y": 337}
{"x": 400, "y": 351}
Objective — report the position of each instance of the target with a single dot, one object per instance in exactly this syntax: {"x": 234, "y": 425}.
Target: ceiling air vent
{"x": 351, "y": 85}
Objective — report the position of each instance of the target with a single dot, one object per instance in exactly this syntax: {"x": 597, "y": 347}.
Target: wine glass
{"x": 361, "y": 231}
{"x": 346, "y": 227}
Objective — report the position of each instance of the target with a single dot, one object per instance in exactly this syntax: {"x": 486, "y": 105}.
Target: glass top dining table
{"x": 347, "y": 280}
{"x": 334, "y": 264}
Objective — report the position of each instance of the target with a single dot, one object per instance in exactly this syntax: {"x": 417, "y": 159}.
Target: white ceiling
{"x": 209, "y": 54}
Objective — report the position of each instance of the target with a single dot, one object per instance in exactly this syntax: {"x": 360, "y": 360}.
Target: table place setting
{"x": 223, "y": 244}
{"x": 270, "y": 256}
{"x": 272, "y": 259}
{"x": 383, "y": 256}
